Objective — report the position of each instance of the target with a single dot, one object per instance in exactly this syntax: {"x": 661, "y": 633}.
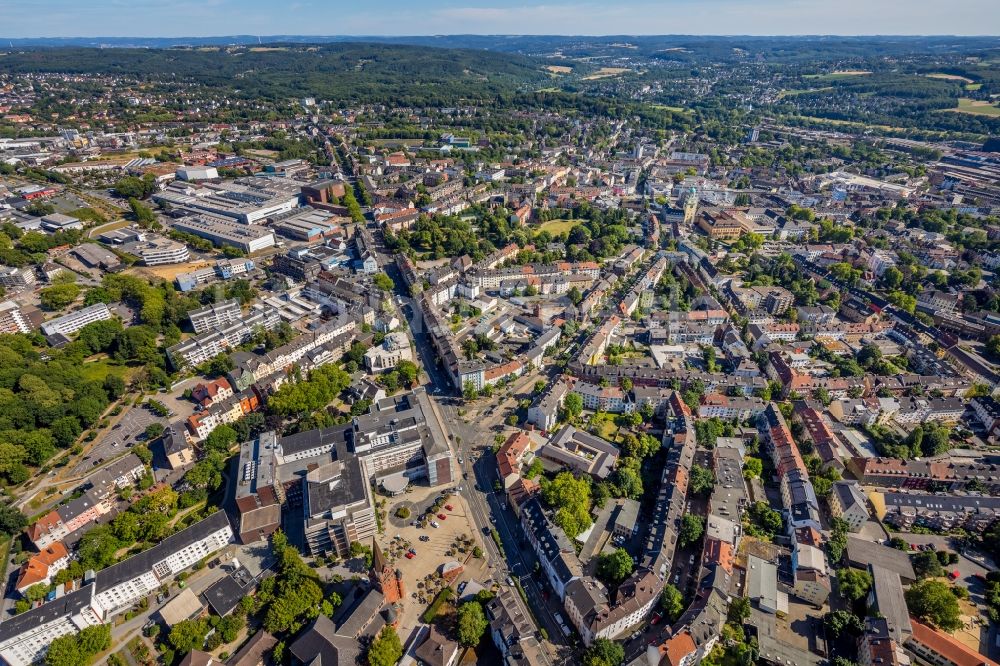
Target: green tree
{"x": 58, "y": 296}
{"x": 752, "y": 467}
{"x": 672, "y": 602}
{"x": 188, "y": 635}
{"x": 841, "y": 621}
{"x": 472, "y": 624}
{"x": 702, "y": 480}
{"x": 386, "y": 649}
{"x": 614, "y": 567}
{"x": 604, "y": 652}
{"x": 692, "y": 527}
{"x": 926, "y": 564}
{"x": 853, "y": 583}
{"x": 739, "y": 610}
{"x": 573, "y": 405}
{"x": 383, "y": 282}
{"x": 79, "y": 649}
{"x": 143, "y": 214}
{"x": 12, "y": 521}
{"x": 932, "y": 600}
{"x": 572, "y": 500}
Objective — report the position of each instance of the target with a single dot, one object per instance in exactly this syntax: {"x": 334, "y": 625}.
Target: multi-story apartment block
{"x": 74, "y": 321}
{"x": 215, "y": 315}
{"x": 603, "y": 398}
{"x": 204, "y": 346}
{"x": 544, "y": 411}
{"x": 12, "y": 319}
{"x": 848, "y": 503}
{"x": 26, "y": 638}
{"x": 16, "y": 278}
{"x": 721, "y": 406}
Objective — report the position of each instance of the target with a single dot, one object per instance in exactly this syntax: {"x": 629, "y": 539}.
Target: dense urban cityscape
{"x": 656, "y": 351}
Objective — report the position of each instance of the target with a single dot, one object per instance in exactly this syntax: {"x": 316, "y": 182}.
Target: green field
{"x": 973, "y": 86}
{"x": 948, "y": 77}
{"x": 557, "y": 227}
{"x": 836, "y": 76}
{"x": 98, "y": 370}
{"x": 675, "y": 109}
{"x": 802, "y": 91}
{"x": 966, "y": 105}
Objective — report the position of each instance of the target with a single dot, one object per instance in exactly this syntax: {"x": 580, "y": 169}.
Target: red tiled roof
{"x": 946, "y": 646}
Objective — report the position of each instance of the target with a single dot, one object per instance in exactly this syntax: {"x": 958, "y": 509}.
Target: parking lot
{"x": 128, "y": 431}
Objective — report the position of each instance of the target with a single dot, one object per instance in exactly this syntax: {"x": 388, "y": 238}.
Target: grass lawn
{"x": 606, "y": 428}
{"x": 973, "y": 86}
{"x": 556, "y": 227}
{"x": 978, "y": 107}
{"x": 98, "y": 370}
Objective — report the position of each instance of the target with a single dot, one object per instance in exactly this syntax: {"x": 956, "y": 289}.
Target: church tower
{"x": 386, "y": 580}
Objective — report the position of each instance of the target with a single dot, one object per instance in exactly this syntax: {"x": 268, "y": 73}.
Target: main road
{"x": 470, "y": 441}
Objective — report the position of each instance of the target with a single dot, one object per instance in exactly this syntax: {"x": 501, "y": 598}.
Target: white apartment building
{"x": 74, "y": 321}
{"x": 25, "y": 638}
{"x": 12, "y": 320}
{"x": 209, "y": 344}
{"x": 214, "y": 315}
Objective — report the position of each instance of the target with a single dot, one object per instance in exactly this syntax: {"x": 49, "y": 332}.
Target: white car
{"x": 435, "y": 523}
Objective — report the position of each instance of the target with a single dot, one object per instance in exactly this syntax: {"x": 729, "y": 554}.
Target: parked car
{"x": 449, "y": 507}
{"x": 410, "y": 556}
{"x": 435, "y": 523}
{"x": 441, "y": 516}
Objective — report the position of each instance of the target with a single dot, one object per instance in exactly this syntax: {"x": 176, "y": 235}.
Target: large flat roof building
{"x": 221, "y": 232}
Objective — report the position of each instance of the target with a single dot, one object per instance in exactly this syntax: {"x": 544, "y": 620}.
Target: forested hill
{"x": 372, "y": 73}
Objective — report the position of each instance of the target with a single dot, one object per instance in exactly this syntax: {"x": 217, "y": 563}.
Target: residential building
{"x": 13, "y": 320}
{"x": 74, "y": 321}
{"x": 16, "y": 278}
{"x": 544, "y": 410}
{"x": 509, "y": 457}
{"x": 25, "y": 639}
{"x": 603, "y": 398}
{"x": 40, "y": 568}
{"x": 215, "y": 315}
{"x": 848, "y": 503}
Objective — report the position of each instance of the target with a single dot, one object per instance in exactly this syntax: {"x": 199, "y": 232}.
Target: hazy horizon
{"x": 144, "y": 19}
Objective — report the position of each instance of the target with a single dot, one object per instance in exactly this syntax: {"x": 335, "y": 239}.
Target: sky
{"x": 201, "y": 18}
